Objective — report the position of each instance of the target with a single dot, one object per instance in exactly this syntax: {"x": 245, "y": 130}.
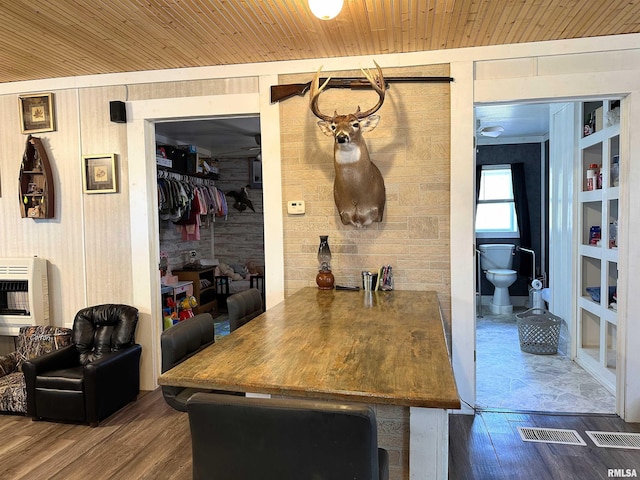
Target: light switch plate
{"x": 295, "y": 207}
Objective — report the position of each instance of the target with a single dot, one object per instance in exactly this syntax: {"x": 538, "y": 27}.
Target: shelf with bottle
{"x": 600, "y": 157}
{"x": 601, "y": 165}
{"x": 598, "y": 233}
{"x": 599, "y": 115}
{"x": 592, "y": 116}
{"x": 591, "y": 222}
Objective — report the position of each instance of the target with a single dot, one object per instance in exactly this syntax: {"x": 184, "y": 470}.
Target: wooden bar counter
{"x": 365, "y": 347}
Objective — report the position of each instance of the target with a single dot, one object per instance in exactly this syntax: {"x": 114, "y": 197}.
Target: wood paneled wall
{"x": 106, "y": 216}
{"x": 88, "y": 243}
{"x": 410, "y": 146}
{"x": 60, "y": 240}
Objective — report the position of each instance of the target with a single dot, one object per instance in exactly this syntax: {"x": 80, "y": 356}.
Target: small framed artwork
{"x": 36, "y": 113}
{"x": 255, "y": 171}
{"x": 99, "y": 173}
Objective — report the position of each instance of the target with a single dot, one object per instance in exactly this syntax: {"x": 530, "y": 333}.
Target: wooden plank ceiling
{"x": 62, "y": 38}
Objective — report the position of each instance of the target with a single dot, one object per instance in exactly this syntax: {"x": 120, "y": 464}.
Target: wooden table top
{"x": 371, "y": 347}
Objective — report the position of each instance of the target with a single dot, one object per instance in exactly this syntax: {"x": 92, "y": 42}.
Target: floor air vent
{"x": 615, "y": 439}
{"x": 550, "y": 435}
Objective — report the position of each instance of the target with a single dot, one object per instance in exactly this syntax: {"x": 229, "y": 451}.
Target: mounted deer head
{"x": 358, "y": 188}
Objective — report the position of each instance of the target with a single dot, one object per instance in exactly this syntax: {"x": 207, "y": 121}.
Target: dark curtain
{"x": 478, "y": 177}
{"x": 522, "y": 211}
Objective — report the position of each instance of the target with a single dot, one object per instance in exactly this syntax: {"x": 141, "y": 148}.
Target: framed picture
{"x": 255, "y": 172}
{"x": 99, "y": 173}
{"x": 36, "y": 113}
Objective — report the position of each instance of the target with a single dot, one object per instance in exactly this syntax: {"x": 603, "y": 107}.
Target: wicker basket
{"x": 539, "y": 331}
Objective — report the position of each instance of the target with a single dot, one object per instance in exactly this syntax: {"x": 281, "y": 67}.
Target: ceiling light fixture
{"x": 326, "y": 9}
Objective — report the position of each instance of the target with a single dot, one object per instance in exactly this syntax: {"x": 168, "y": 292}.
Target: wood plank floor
{"x": 145, "y": 440}
{"x": 149, "y": 440}
{"x": 487, "y": 446}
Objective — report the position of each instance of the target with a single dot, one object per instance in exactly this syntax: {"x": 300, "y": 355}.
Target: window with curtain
{"x": 496, "y": 213}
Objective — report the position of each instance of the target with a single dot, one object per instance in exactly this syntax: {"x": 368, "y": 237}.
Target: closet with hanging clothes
{"x": 188, "y": 205}
{"x": 189, "y": 202}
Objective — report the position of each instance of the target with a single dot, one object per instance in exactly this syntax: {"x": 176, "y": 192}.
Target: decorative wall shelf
{"x": 37, "y": 196}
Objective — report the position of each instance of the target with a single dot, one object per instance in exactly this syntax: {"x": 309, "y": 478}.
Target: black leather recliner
{"x": 237, "y": 438}
{"x": 92, "y": 378}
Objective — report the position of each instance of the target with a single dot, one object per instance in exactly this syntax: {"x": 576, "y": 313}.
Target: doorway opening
{"x": 524, "y": 136}
{"x": 226, "y": 243}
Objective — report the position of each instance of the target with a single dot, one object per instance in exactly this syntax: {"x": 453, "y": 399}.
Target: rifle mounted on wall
{"x": 282, "y": 92}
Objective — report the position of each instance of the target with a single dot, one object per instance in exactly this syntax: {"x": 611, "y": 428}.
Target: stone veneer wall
{"x": 235, "y": 240}
{"x": 411, "y": 147}
{"x": 393, "y": 436}
{"x": 239, "y": 238}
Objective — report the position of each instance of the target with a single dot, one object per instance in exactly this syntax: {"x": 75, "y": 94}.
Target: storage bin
{"x": 539, "y": 331}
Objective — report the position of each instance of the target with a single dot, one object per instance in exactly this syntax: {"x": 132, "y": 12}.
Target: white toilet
{"x": 495, "y": 261}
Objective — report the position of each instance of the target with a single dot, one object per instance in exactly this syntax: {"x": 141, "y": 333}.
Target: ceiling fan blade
{"x": 493, "y": 132}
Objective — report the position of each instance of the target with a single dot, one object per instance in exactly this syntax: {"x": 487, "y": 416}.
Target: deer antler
{"x": 379, "y": 85}
{"x": 315, "y": 92}
{"x": 377, "y": 82}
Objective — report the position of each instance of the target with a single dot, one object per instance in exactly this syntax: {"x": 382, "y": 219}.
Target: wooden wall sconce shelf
{"x": 37, "y": 195}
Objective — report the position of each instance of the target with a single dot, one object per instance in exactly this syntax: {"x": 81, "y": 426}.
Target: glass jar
{"x": 324, "y": 254}
{"x": 324, "y": 278}
{"x": 615, "y": 171}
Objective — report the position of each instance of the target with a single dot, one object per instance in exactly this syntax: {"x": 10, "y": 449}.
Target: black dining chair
{"x": 257, "y": 281}
{"x": 243, "y": 307}
{"x": 238, "y": 438}
{"x": 180, "y": 342}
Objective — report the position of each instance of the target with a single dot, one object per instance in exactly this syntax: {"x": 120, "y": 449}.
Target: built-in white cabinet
{"x": 598, "y": 194}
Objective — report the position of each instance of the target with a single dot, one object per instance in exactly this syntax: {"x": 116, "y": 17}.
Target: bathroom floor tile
{"x": 510, "y": 379}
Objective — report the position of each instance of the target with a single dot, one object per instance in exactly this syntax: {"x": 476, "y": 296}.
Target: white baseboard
{"x": 515, "y": 301}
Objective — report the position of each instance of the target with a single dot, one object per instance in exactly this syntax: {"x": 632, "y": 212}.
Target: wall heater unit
{"x": 24, "y": 294}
